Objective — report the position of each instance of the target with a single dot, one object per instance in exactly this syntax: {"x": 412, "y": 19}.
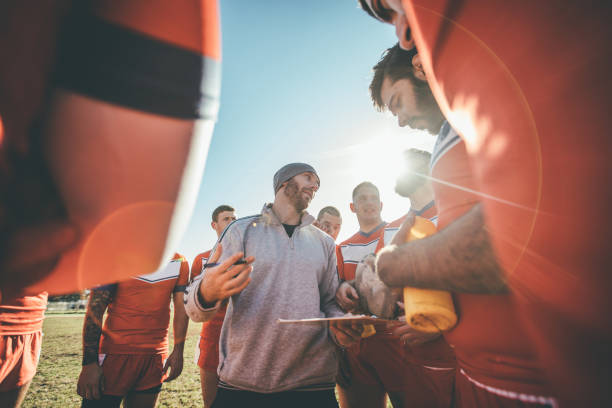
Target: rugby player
{"x": 207, "y": 351}
{"x": 430, "y": 352}
{"x": 106, "y": 112}
{"x": 330, "y": 221}
{"x": 127, "y": 359}
{"x": 496, "y": 363}
{"x": 21, "y": 322}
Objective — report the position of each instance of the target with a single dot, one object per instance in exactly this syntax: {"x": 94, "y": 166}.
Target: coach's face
{"x": 301, "y": 190}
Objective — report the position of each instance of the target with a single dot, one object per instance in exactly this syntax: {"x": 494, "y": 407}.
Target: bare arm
{"x": 92, "y": 326}
{"x": 459, "y": 259}
{"x": 180, "y": 323}
{"x": 91, "y": 382}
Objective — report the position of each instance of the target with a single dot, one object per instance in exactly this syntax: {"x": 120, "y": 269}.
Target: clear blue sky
{"x": 295, "y": 88}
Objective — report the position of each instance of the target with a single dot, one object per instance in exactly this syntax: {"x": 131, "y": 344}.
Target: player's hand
{"x": 347, "y": 297}
{"x": 410, "y": 336}
{"x": 91, "y": 382}
{"x": 346, "y": 333}
{"x": 401, "y": 237}
{"x": 174, "y": 362}
{"x": 225, "y": 279}
{"x": 392, "y": 261}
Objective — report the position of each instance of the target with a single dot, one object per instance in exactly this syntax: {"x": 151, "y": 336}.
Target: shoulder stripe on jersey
{"x": 442, "y": 149}
{"x": 170, "y": 271}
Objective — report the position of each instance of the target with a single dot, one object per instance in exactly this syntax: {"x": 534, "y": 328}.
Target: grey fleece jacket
{"x": 293, "y": 278}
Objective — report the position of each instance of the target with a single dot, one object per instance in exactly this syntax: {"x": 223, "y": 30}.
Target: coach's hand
{"x": 91, "y": 382}
{"x": 225, "y": 279}
{"x": 347, "y": 297}
{"x": 174, "y": 362}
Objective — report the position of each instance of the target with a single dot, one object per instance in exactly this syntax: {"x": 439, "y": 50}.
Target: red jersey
{"x": 488, "y": 340}
{"x": 217, "y": 320}
{"x": 434, "y": 354}
{"x": 351, "y": 251}
{"x": 429, "y": 211}
{"x": 23, "y": 315}
{"x": 139, "y": 315}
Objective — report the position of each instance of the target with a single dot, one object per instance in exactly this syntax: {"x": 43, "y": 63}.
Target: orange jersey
{"x": 351, "y": 251}
{"x": 488, "y": 340}
{"x": 23, "y": 315}
{"x": 139, "y": 315}
{"x": 429, "y": 211}
{"x": 217, "y": 321}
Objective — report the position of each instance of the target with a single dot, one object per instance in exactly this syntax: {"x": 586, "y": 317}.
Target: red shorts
{"x": 470, "y": 393}
{"x": 19, "y": 356}
{"x": 381, "y": 360}
{"x": 207, "y": 352}
{"x": 131, "y": 372}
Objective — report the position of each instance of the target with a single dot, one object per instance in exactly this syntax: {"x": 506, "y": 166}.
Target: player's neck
{"x": 421, "y": 197}
{"x": 368, "y": 226}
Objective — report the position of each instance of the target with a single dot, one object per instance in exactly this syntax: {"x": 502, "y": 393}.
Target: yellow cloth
{"x": 428, "y": 311}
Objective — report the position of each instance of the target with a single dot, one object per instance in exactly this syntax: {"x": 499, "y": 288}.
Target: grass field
{"x": 60, "y": 364}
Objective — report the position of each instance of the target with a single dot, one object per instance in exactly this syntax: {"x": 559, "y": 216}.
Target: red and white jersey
{"x": 351, "y": 251}
{"x": 23, "y": 315}
{"x": 488, "y": 340}
{"x": 196, "y": 269}
{"x": 429, "y": 211}
{"x": 139, "y": 315}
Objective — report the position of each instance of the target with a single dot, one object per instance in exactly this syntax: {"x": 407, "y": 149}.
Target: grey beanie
{"x": 291, "y": 170}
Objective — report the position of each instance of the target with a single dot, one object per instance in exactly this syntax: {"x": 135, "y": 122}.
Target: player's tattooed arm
{"x": 99, "y": 300}
{"x": 459, "y": 258}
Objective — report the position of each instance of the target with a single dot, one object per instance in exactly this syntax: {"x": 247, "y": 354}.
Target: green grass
{"x": 60, "y": 364}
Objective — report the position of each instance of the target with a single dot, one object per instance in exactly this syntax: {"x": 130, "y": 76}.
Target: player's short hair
{"x": 331, "y": 210}
{"x": 219, "y": 210}
{"x": 362, "y": 185}
{"x": 395, "y": 64}
{"x": 422, "y": 156}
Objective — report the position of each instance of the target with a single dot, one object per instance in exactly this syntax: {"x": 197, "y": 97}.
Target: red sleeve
{"x": 196, "y": 266}
{"x": 340, "y": 262}
{"x": 183, "y": 279}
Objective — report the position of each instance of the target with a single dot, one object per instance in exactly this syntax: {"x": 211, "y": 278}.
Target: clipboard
{"x": 377, "y": 322}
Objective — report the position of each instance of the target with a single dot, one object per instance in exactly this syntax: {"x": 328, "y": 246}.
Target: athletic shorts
{"x": 207, "y": 351}
{"x": 131, "y": 372}
{"x": 19, "y": 355}
{"x": 381, "y": 360}
{"x": 470, "y": 393}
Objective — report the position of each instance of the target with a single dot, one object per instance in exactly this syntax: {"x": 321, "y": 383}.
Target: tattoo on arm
{"x": 459, "y": 259}
{"x": 469, "y": 262}
{"x": 92, "y": 326}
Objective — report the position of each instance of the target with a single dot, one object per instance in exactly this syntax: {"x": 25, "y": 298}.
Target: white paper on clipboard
{"x": 364, "y": 319}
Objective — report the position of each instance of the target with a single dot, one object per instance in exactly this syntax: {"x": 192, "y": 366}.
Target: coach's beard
{"x": 295, "y": 196}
